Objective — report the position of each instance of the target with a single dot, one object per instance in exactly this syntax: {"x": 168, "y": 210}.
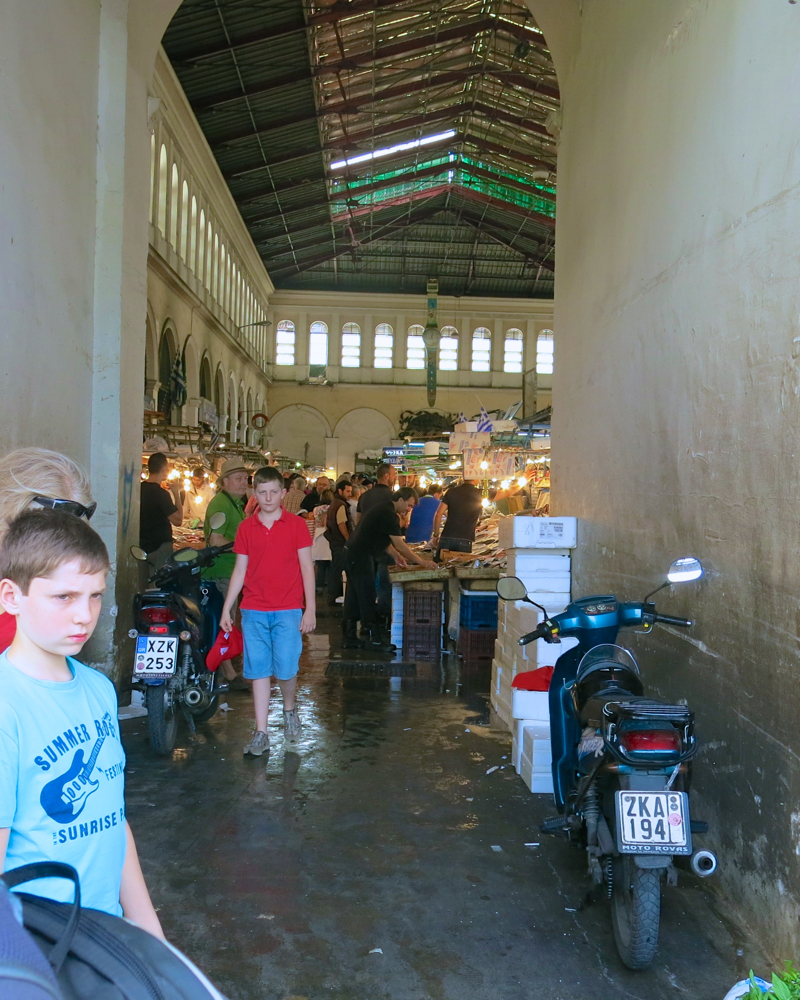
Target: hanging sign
{"x": 464, "y": 440}
{"x": 501, "y": 464}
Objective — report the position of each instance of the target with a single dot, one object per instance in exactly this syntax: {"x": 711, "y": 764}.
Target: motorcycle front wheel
{"x": 635, "y": 912}
{"x": 162, "y": 718}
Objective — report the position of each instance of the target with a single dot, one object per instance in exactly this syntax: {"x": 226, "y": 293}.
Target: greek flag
{"x": 461, "y": 418}
{"x": 484, "y": 422}
{"x": 177, "y": 381}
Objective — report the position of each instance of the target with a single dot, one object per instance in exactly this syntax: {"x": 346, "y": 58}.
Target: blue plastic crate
{"x": 478, "y": 611}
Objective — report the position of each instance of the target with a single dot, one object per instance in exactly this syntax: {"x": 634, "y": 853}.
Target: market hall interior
{"x": 676, "y": 387}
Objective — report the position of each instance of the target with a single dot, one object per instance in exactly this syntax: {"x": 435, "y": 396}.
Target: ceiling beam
{"x": 505, "y": 206}
{"x": 406, "y": 177}
{"x": 403, "y": 199}
{"x": 271, "y": 34}
{"x": 490, "y": 229}
{"x": 515, "y": 77}
{"x": 514, "y": 154}
{"x": 433, "y": 39}
{"x": 351, "y": 141}
{"x": 399, "y": 227}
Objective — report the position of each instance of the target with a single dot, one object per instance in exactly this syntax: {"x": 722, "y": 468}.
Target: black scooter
{"x": 176, "y": 623}
{"x": 621, "y": 761}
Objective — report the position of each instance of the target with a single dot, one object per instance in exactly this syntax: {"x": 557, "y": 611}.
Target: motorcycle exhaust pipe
{"x": 703, "y": 863}
{"x": 193, "y": 697}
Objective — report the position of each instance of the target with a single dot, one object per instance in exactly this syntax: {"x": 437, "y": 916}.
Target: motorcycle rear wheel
{"x": 162, "y": 719}
{"x": 635, "y": 912}
{"x": 206, "y": 714}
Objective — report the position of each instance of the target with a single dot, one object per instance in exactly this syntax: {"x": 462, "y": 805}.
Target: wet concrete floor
{"x": 281, "y": 877}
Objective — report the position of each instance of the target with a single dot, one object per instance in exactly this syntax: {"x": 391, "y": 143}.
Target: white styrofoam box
{"x": 535, "y": 741}
{"x": 546, "y": 583}
{"x": 518, "y": 741}
{"x": 537, "y": 561}
{"x": 538, "y": 782}
{"x": 530, "y": 705}
{"x": 548, "y": 652}
{"x": 524, "y": 531}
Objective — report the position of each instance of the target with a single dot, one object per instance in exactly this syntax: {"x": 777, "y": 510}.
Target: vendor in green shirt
{"x": 230, "y": 500}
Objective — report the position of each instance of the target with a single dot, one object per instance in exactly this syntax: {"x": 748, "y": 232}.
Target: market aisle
{"x": 381, "y": 830}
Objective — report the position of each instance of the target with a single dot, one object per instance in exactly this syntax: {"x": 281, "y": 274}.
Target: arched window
{"x": 164, "y": 373}
{"x": 512, "y": 350}
{"x": 415, "y": 347}
{"x": 223, "y": 260}
{"x": 162, "y": 190}
{"x": 448, "y": 349}
{"x": 544, "y": 353}
{"x": 200, "y": 267}
{"x": 351, "y": 345}
{"x": 284, "y": 343}
{"x": 193, "y": 235}
{"x": 384, "y": 345}
{"x": 481, "y": 349}
{"x": 152, "y": 173}
{"x": 184, "y": 220}
{"x": 206, "y": 388}
{"x": 174, "y": 204}
{"x": 317, "y": 349}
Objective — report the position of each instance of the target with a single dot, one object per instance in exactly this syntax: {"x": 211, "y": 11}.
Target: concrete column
{"x": 368, "y": 342}
{"x": 400, "y": 342}
{"x": 332, "y": 454}
{"x": 465, "y": 344}
{"x": 301, "y": 339}
{"x": 498, "y": 337}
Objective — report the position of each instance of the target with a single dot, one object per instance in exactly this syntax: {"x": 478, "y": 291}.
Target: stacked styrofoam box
{"x": 538, "y": 552}
{"x": 396, "y": 636}
{"x": 535, "y": 760}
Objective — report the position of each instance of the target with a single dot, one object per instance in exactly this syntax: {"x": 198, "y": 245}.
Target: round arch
{"x": 233, "y": 409}
{"x": 192, "y": 369}
{"x": 248, "y": 416}
{"x": 167, "y": 346}
{"x": 362, "y": 429}
{"x": 150, "y": 345}
{"x": 298, "y": 431}
{"x": 206, "y": 385}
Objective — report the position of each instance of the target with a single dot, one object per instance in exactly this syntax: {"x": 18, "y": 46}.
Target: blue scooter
{"x": 621, "y": 761}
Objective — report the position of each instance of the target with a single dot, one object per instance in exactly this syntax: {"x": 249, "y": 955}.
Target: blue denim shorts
{"x": 272, "y": 644}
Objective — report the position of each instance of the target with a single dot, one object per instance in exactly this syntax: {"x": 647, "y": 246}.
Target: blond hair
{"x": 29, "y": 472}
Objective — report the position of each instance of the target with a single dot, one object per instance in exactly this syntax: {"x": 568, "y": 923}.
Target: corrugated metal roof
{"x": 284, "y": 91}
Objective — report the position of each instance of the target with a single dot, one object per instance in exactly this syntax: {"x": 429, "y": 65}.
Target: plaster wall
{"x": 678, "y": 383}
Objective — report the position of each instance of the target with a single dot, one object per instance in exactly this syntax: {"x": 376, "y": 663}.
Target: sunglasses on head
{"x": 68, "y": 506}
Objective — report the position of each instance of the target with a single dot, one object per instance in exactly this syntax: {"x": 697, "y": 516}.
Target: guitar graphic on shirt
{"x": 64, "y": 798}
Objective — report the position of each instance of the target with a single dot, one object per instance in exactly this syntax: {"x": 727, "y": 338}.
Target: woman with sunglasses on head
{"x": 35, "y": 478}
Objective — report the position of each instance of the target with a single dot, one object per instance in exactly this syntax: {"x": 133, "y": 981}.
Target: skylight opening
{"x": 377, "y": 153}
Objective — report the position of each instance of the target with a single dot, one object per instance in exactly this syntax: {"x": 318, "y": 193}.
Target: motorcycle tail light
{"x": 159, "y": 630}
{"x": 160, "y": 615}
{"x": 651, "y": 739}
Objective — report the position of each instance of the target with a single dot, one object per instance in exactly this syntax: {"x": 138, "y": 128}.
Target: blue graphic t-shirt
{"x": 61, "y": 781}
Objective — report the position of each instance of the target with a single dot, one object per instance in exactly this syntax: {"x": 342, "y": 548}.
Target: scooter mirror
{"x": 138, "y": 554}
{"x": 217, "y": 520}
{"x": 185, "y": 556}
{"x": 685, "y": 569}
{"x": 510, "y": 588}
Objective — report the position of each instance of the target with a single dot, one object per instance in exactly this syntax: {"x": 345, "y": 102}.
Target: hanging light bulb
{"x": 486, "y": 502}
{"x": 523, "y": 481}
{"x": 484, "y": 464}
{"x": 505, "y": 484}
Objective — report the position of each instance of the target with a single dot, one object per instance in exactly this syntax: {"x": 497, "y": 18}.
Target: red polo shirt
{"x": 272, "y": 581}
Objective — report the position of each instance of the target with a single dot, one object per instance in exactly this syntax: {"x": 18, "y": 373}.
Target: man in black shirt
{"x": 381, "y": 492}
{"x": 378, "y": 529}
{"x": 462, "y": 504}
{"x": 158, "y": 511}
{"x": 312, "y": 501}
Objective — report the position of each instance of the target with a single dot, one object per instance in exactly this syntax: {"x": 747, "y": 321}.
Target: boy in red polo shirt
{"x": 273, "y": 565}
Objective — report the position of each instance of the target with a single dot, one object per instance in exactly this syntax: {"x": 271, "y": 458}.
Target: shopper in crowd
{"x": 313, "y": 499}
{"x": 462, "y": 507}
{"x": 381, "y": 492}
{"x": 377, "y": 531}
{"x": 320, "y": 548}
{"x": 230, "y": 501}
{"x": 35, "y": 479}
{"x": 295, "y": 495}
{"x": 338, "y": 529}
{"x": 160, "y": 509}
{"x": 52, "y": 703}
{"x": 274, "y": 569}
{"x": 198, "y": 496}
{"x": 356, "y": 492}
{"x": 420, "y": 527}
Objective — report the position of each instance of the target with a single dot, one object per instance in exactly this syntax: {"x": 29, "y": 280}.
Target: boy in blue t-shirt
{"x": 61, "y": 760}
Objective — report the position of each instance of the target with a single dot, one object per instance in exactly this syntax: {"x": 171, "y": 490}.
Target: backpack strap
{"x": 51, "y": 869}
